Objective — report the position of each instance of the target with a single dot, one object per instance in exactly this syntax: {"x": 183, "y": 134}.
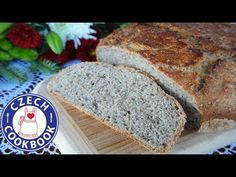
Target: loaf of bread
{"x": 195, "y": 63}
{"x": 124, "y": 99}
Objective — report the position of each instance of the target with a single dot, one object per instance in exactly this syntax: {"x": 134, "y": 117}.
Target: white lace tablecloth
{"x": 10, "y": 90}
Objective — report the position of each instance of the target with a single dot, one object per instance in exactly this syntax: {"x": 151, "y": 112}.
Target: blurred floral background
{"x": 48, "y": 46}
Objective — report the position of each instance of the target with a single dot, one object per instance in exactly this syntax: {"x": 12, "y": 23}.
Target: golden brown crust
{"x": 182, "y": 44}
{"x": 185, "y": 53}
{"x": 181, "y": 58}
{"x": 221, "y": 34}
{"x": 218, "y": 96}
{"x": 190, "y": 81}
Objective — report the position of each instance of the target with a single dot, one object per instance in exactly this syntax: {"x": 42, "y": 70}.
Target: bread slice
{"x": 195, "y": 63}
{"x": 124, "y": 99}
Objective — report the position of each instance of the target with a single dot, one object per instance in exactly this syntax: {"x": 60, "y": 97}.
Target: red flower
{"x": 70, "y": 48}
{"x": 86, "y": 51}
{"x": 67, "y": 53}
{"x": 50, "y": 55}
{"x": 23, "y": 35}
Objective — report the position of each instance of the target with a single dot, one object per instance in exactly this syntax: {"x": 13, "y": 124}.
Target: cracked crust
{"x": 218, "y": 96}
{"x": 186, "y": 53}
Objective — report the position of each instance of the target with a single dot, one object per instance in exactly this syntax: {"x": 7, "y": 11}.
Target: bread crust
{"x": 162, "y": 149}
{"x": 186, "y": 53}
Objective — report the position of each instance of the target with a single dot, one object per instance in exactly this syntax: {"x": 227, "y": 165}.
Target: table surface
{"x": 10, "y": 90}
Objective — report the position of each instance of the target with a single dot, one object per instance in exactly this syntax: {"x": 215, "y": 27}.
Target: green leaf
{"x": 12, "y": 75}
{"x": 46, "y": 66}
{"x": 54, "y": 42}
{"x": 4, "y": 56}
{"x": 49, "y": 66}
{"x": 5, "y": 44}
{"x": 5, "y": 26}
{"x": 124, "y": 25}
{"x": 24, "y": 54}
{"x": 33, "y": 66}
{"x": 2, "y": 35}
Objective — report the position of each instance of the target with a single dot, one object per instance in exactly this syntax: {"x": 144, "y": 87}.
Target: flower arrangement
{"x": 48, "y": 45}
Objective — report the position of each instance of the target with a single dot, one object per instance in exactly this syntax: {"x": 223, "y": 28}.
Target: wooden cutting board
{"x": 80, "y": 133}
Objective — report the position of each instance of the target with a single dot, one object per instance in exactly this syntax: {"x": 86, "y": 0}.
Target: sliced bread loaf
{"x": 124, "y": 99}
{"x": 195, "y": 63}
